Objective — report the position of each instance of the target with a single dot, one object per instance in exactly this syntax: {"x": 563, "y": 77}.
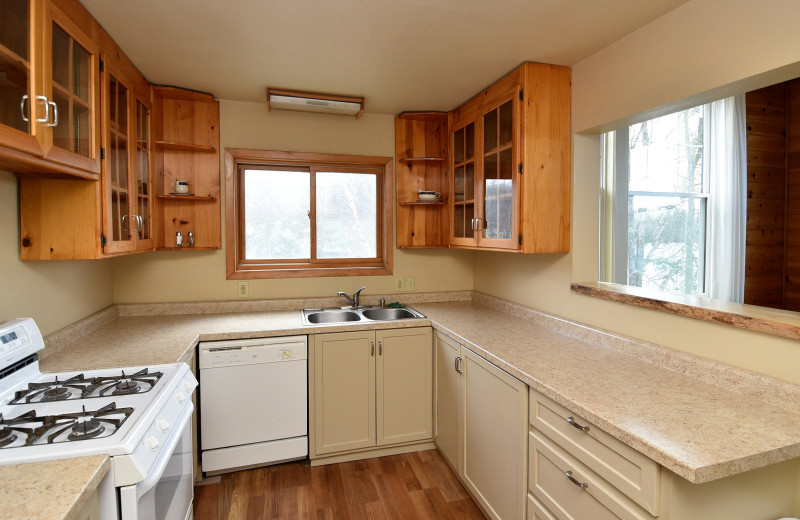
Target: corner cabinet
{"x": 186, "y": 147}
{"x": 371, "y": 393}
{"x": 481, "y": 427}
{"x": 510, "y": 158}
{"x": 421, "y": 144}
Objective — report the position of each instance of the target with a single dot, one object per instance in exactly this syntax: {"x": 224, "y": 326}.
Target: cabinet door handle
{"x": 582, "y": 485}
{"x": 576, "y": 425}
{"x": 141, "y": 223}
{"x": 125, "y": 224}
{"x": 458, "y": 362}
{"x": 46, "y": 116}
{"x": 380, "y": 348}
{"x": 22, "y": 108}
{"x": 372, "y": 348}
{"x": 55, "y": 114}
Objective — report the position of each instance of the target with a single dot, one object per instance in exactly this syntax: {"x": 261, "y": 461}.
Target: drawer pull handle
{"x": 582, "y": 485}
{"x": 576, "y": 425}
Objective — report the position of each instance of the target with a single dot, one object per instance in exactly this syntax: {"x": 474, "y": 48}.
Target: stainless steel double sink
{"x": 365, "y": 314}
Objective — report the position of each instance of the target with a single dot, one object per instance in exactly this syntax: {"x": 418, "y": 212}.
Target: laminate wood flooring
{"x": 412, "y": 486}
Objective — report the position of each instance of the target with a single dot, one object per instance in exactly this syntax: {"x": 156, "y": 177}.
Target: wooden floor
{"x": 404, "y": 487}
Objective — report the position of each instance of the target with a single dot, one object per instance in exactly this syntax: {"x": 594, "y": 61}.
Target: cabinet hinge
{"x": 102, "y": 153}
{"x": 102, "y": 240}
{"x": 519, "y": 168}
{"x": 102, "y": 65}
{"x": 521, "y": 95}
{"x": 520, "y": 239}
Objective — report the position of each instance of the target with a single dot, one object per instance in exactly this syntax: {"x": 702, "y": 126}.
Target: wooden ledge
{"x": 760, "y": 319}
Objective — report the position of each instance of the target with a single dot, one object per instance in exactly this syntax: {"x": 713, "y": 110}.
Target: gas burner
{"x": 84, "y": 425}
{"x": 25, "y": 424}
{"x": 86, "y": 429}
{"x": 126, "y": 387}
{"x": 73, "y": 388}
{"x": 7, "y": 436}
{"x": 140, "y": 382}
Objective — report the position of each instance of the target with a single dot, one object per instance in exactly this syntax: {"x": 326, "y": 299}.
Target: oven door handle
{"x": 156, "y": 472}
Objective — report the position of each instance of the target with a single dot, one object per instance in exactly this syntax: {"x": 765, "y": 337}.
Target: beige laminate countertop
{"x": 53, "y": 490}
{"x": 700, "y": 431}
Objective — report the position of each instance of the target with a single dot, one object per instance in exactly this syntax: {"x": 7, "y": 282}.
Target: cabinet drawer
{"x": 593, "y": 498}
{"x": 629, "y": 471}
{"x": 536, "y": 511}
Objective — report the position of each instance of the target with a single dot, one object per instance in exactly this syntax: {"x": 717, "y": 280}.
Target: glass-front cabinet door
{"x": 72, "y": 88}
{"x": 17, "y": 98}
{"x": 464, "y": 218}
{"x": 142, "y": 186}
{"x": 498, "y": 215}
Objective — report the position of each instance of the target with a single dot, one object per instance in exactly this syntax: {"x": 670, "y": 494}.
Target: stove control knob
{"x": 152, "y": 443}
{"x": 187, "y": 386}
{"x": 181, "y": 397}
{"x": 163, "y": 425}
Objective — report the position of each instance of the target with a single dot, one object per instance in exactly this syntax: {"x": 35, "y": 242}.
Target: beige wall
{"x": 200, "y": 275}
{"x": 55, "y": 294}
{"x": 701, "y": 49}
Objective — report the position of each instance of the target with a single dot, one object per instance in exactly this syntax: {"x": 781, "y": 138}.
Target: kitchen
{"x": 634, "y": 74}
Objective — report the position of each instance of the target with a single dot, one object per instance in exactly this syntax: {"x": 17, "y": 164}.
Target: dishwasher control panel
{"x": 214, "y": 354}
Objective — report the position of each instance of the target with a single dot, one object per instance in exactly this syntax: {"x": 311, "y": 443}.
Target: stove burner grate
{"x": 87, "y": 429}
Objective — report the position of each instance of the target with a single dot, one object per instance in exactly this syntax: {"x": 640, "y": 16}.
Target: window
{"x": 295, "y": 214}
{"x": 674, "y": 203}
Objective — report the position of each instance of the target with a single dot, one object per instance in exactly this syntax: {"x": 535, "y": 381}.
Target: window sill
{"x": 253, "y": 274}
{"x": 769, "y": 321}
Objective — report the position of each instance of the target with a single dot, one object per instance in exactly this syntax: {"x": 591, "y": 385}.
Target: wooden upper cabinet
{"x": 49, "y": 112}
{"x": 510, "y": 157}
{"x": 17, "y": 126}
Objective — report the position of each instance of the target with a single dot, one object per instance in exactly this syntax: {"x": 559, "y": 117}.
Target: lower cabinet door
{"x": 494, "y": 447}
{"x": 448, "y": 400}
{"x": 404, "y": 389}
{"x": 344, "y": 391}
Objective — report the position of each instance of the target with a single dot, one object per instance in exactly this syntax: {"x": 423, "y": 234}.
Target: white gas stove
{"x": 140, "y": 416}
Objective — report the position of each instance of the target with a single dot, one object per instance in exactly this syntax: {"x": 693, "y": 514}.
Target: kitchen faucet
{"x": 354, "y": 300}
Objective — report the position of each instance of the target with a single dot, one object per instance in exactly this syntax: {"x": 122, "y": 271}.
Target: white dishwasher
{"x": 253, "y": 402}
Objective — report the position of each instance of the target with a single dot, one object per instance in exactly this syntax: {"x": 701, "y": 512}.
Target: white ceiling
{"x": 399, "y": 54}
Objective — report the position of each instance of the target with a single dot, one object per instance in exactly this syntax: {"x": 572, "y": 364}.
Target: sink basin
{"x": 333, "y": 316}
{"x": 381, "y": 314}
{"x": 363, "y": 314}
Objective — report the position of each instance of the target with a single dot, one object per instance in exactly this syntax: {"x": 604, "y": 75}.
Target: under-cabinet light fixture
{"x": 314, "y": 102}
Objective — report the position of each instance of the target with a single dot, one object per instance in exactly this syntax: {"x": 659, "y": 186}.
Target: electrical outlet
{"x": 243, "y": 289}
{"x": 398, "y": 284}
{"x": 408, "y": 283}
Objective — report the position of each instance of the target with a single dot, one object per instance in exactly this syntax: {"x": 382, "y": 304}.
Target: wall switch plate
{"x": 243, "y": 289}
{"x": 408, "y": 284}
{"x": 398, "y": 284}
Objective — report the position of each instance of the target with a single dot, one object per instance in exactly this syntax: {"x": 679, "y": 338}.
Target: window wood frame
{"x": 238, "y": 268}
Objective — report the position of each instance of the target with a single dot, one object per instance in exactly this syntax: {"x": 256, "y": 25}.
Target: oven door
{"x": 167, "y": 491}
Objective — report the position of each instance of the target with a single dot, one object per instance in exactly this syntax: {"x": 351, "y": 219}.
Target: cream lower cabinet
{"x": 371, "y": 390}
{"x": 481, "y": 427}
{"x": 579, "y": 472}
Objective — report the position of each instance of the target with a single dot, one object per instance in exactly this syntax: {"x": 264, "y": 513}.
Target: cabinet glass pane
{"x": 458, "y": 191}
{"x": 504, "y": 165}
{"x": 14, "y": 64}
{"x": 71, "y": 93}
{"x": 506, "y": 122}
{"x": 469, "y": 141}
{"x": 462, "y": 220}
{"x": 458, "y": 146}
{"x": 143, "y": 167}
{"x": 118, "y": 157}
{"x": 490, "y": 130}
{"x": 497, "y": 208}
{"x": 469, "y": 181}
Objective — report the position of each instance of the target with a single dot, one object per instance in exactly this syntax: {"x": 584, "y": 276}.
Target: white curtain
{"x": 727, "y": 167}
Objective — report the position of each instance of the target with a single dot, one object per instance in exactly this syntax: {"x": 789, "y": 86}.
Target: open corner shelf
{"x": 184, "y": 147}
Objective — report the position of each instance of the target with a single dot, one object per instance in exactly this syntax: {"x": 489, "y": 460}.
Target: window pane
{"x": 276, "y": 210}
{"x": 347, "y": 215}
{"x": 666, "y": 240}
{"x": 666, "y": 153}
